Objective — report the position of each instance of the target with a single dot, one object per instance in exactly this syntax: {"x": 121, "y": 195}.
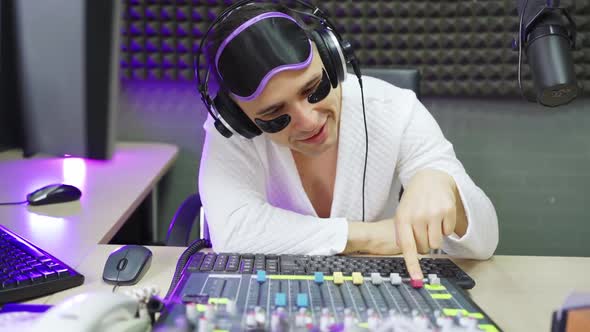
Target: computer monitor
{"x": 61, "y": 85}
{"x": 10, "y": 122}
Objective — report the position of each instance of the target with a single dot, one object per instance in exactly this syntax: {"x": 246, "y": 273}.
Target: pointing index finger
{"x": 408, "y": 246}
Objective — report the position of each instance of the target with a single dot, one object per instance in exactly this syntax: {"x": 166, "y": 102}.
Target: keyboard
{"x": 27, "y": 271}
{"x": 308, "y": 265}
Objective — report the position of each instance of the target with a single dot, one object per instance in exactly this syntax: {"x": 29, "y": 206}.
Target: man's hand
{"x": 426, "y": 213}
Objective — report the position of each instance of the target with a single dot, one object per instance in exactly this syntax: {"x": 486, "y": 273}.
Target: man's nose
{"x": 304, "y": 117}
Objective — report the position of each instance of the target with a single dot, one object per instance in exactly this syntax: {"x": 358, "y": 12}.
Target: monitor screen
{"x": 10, "y": 120}
{"x": 64, "y": 83}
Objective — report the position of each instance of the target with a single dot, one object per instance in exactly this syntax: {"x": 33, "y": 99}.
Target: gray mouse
{"x": 127, "y": 265}
{"x": 54, "y": 193}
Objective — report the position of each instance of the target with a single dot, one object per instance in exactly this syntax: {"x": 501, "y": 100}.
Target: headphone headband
{"x": 316, "y": 13}
{"x": 334, "y": 51}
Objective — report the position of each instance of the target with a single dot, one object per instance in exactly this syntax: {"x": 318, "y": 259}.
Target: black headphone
{"x": 333, "y": 50}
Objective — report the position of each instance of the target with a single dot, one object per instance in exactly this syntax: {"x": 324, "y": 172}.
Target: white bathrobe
{"x": 254, "y": 200}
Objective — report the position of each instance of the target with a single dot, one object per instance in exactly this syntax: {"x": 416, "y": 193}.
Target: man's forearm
{"x": 377, "y": 238}
{"x": 358, "y": 238}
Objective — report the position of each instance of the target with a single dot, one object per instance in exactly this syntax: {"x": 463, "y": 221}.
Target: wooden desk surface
{"x": 518, "y": 292}
{"x": 521, "y": 292}
{"x": 111, "y": 190}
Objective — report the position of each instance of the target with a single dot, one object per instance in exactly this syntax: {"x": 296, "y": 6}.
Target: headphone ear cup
{"x": 234, "y": 116}
{"x": 325, "y": 56}
{"x": 330, "y": 55}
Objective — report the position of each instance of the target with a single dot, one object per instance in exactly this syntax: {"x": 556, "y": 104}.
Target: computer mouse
{"x": 127, "y": 265}
{"x": 54, "y": 193}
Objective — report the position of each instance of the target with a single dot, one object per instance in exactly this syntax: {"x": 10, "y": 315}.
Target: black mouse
{"x": 54, "y": 193}
{"x": 127, "y": 265}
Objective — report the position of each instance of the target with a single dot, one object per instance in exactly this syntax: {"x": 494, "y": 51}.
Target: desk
{"x": 518, "y": 292}
{"x": 111, "y": 191}
{"x": 521, "y": 292}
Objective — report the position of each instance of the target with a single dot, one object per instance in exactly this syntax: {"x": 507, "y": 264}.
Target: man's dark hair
{"x": 237, "y": 17}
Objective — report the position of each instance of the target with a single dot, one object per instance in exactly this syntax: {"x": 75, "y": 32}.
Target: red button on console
{"x": 416, "y": 283}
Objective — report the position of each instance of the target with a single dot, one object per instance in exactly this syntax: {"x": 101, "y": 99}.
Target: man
{"x": 297, "y": 188}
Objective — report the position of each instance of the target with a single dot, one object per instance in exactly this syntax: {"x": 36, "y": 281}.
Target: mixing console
{"x": 261, "y": 301}
{"x": 300, "y": 264}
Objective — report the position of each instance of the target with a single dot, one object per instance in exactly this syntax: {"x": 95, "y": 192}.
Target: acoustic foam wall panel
{"x": 462, "y": 47}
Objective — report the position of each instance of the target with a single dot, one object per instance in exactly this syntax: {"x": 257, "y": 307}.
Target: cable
{"x": 154, "y": 305}
{"x": 13, "y": 203}
{"x": 184, "y": 258}
{"x": 366, "y": 143}
{"x": 521, "y": 36}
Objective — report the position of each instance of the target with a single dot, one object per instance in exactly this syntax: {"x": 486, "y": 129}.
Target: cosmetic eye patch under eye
{"x": 279, "y": 123}
{"x": 275, "y": 125}
{"x": 322, "y": 91}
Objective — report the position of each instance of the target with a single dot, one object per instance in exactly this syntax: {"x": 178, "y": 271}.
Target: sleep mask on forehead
{"x": 257, "y": 50}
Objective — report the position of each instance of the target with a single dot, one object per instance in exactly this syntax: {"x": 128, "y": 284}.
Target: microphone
{"x": 547, "y": 40}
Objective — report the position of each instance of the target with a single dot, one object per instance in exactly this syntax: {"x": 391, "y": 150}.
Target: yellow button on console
{"x": 357, "y": 278}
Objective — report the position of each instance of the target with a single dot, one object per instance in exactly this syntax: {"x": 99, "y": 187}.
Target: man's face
{"x": 314, "y": 126}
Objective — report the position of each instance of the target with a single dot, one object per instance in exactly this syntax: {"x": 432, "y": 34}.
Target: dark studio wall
{"x": 533, "y": 162}
{"x": 462, "y": 47}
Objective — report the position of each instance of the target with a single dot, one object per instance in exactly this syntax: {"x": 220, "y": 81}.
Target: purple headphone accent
{"x": 271, "y": 73}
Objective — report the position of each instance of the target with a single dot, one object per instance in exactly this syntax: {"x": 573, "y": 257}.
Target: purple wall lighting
{"x": 159, "y": 37}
